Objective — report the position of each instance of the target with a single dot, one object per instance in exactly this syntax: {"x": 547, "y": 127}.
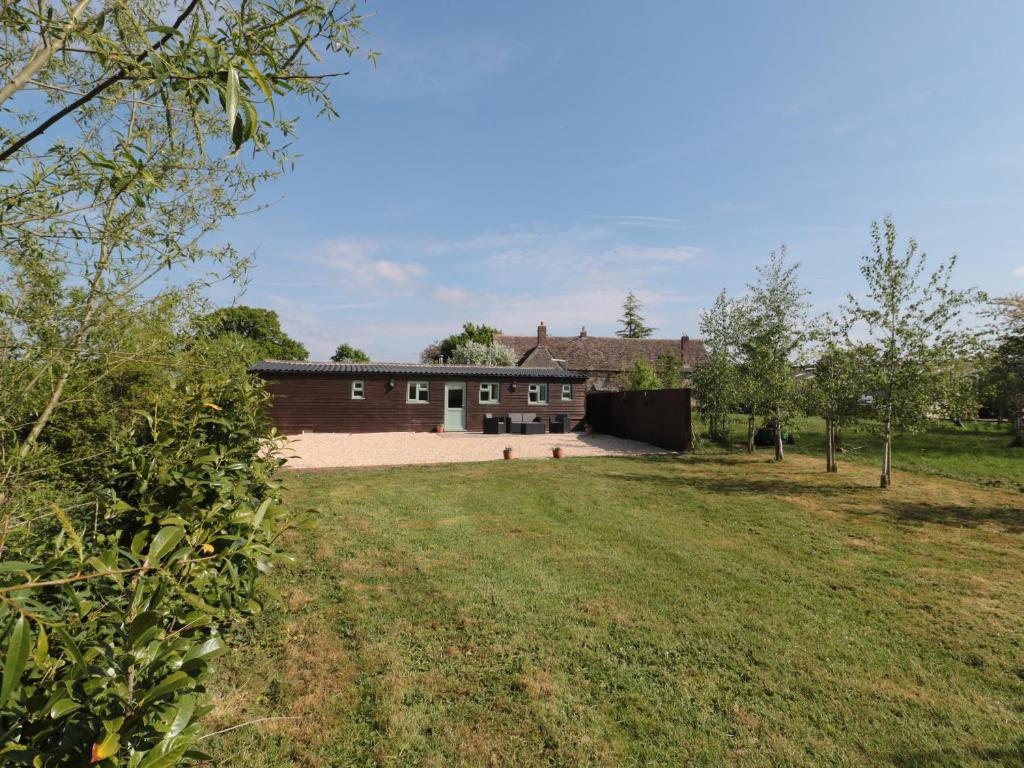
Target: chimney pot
{"x": 684, "y": 342}
{"x": 583, "y": 332}
{"x": 542, "y": 335}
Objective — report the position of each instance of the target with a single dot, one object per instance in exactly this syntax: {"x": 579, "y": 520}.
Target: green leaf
{"x": 260, "y": 81}
{"x": 231, "y": 98}
{"x": 163, "y": 543}
{"x": 42, "y": 647}
{"x": 17, "y": 657}
{"x": 182, "y": 717}
{"x": 63, "y": 707}
{"x": 212, "y": 647}
{"x": 171, "y": 683}
{"x": 107, "y": 747}
{"x": 140, "y": 629}
{"x": 71, "y": 646}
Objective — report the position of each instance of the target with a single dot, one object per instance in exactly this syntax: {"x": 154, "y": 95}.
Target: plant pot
{"x": 439, "y": 428}
{"x": 507, "y": 453}
{"x": 556, "y": 453}
{"x": 588, "y": 430}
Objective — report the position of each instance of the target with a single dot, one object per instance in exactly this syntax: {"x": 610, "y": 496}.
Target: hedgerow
{"x": 112, "y": 612}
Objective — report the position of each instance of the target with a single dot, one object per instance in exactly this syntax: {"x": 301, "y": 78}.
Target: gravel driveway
{"x": 321, "y": 450}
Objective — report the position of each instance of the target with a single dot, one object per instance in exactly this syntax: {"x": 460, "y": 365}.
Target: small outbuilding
{"x": 409, "y": 397}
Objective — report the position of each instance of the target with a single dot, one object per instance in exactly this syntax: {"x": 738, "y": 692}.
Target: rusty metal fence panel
{"x": 660, "y": 417}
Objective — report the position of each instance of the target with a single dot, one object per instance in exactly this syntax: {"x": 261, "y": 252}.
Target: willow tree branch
{"x": 42, "y": 55}
{"x": 95, "y": 90}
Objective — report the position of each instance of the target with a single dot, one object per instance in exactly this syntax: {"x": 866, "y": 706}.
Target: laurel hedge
{"x": 112, "y": 611}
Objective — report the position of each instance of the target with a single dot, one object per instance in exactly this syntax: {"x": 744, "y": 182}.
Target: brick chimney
{"x": 583, "y": 332}
{"x": 542, "y": 335}
{"x": 684, "y": 345}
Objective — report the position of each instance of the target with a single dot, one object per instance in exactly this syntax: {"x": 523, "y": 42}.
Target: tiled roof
{"x": 605, "y": 353}
{"x": 412, "y": 369}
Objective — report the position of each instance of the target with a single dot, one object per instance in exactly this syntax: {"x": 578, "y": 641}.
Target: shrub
{"x": 110, "y": 613}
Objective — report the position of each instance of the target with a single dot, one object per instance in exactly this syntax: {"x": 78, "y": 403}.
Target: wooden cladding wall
{"x": 660, "y": 416}
{"x": 308, "y": 402}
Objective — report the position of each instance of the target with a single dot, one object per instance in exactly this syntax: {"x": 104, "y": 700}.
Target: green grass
{"x": 978, "y": 452}
{"x": 702, "y": 610}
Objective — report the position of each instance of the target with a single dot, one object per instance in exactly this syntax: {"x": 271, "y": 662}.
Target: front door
{"x": 454, "y": 407}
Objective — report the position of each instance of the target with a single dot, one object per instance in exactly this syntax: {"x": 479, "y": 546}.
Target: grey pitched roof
{"x": 412, "y": 369}
{"x": 605, "y": 353}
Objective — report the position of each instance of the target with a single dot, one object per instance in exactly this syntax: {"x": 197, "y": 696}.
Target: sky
{"x": 511, "y": 163}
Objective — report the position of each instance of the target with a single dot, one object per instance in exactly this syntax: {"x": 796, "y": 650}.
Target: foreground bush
{"x": 110, "y": 612}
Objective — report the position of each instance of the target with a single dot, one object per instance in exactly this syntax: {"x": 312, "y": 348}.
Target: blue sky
{"x": 515, "y": 162}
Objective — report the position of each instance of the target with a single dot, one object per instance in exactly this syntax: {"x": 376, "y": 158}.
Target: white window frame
{"x": 422, "y": 387}
{"x": 358, "y": 389}
{"x": 533, "y": 393}
{"x": 567, "y": 391}
{"x": 495, "y": 393}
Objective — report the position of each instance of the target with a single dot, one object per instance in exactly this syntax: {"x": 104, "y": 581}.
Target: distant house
{"x": 411, "y": 397}
{"x": 602, "y": 359}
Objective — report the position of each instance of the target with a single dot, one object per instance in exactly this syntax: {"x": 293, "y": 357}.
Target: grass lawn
{"x": 977, "y": 452}
{"x": 695, "y": 610}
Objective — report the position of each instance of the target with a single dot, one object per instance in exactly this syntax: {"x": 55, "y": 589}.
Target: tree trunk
{"x": 780, "y": 454}
{"x": 830, "y": 447}
{"x": 1018, "y": 429}
{"x": 750, "y": 432}
{"x": 886, "y": 479}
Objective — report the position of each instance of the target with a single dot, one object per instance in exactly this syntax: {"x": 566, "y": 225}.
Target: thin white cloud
{"x": 449, "y": 295}
{"x": 354, "y": 259}
{"x": 1019, "y": 271}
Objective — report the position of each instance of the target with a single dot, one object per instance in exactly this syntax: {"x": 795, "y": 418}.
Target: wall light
{"x": 391, "y": 384}
{"x": 512, "y": 386}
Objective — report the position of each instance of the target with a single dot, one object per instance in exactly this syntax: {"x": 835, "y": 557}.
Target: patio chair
{"x": 559, "y": 423}
{"x": 494, "y": 425}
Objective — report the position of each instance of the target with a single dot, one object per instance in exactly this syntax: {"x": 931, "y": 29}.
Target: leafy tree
{"x": 640, "y": 376}
{"x": 772, "y": 344}
{"x": 716, "y": 380}
{"x": 346, "y": 353}
{"x": 837, "y": 390}
{"x": 669, "y": 368}
{"x": 481, "y": 334}
{"x": 478, "y": 353}
{"x": 908, "y": 316}
{"x": 632, "y": 322}
{"x": 261, "y": 327}
{"x": 121, "y": 133}
{"x": 1001, "y": 378}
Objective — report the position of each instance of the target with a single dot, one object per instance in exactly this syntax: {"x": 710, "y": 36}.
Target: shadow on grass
{"x": 848, "y": 495}
{"x": 1010, "y": 755}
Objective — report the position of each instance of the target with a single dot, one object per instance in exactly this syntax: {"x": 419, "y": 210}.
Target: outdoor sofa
{"x": 525, "y": 424}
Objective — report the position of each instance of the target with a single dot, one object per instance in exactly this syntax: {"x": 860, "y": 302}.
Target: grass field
{"x": 696, "y": 610}
{"x": 977, "y": 452}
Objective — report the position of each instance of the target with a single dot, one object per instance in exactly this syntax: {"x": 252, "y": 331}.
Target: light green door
{"x": 454, "y": 407}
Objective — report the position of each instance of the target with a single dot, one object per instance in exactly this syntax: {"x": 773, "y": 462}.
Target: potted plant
{"x": 556, "y": 452}
{"x": 588, "y": 429}
{"x": 507, "y": 453}
{"x": 439, "y": 428}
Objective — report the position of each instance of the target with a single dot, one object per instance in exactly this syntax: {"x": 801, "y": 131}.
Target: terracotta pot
{"x": 588, "y": 430}
{"x": 556, "y": 452}
{"x": 507, "y": 453}
{"x": 439, "y": 428}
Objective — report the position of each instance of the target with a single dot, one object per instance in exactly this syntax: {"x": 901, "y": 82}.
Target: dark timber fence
{"x": 660, "y": 417}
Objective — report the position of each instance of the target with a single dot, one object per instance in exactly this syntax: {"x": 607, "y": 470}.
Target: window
{"x": 358, "y": 390}
{"x": 418, "y": 392}
{"x": 489, "y": 392}
{"x": 538, "y": 394}
{"x": 567, "y": 391}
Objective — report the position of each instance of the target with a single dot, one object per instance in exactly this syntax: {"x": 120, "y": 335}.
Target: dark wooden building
{"x": 406, "y": 397}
